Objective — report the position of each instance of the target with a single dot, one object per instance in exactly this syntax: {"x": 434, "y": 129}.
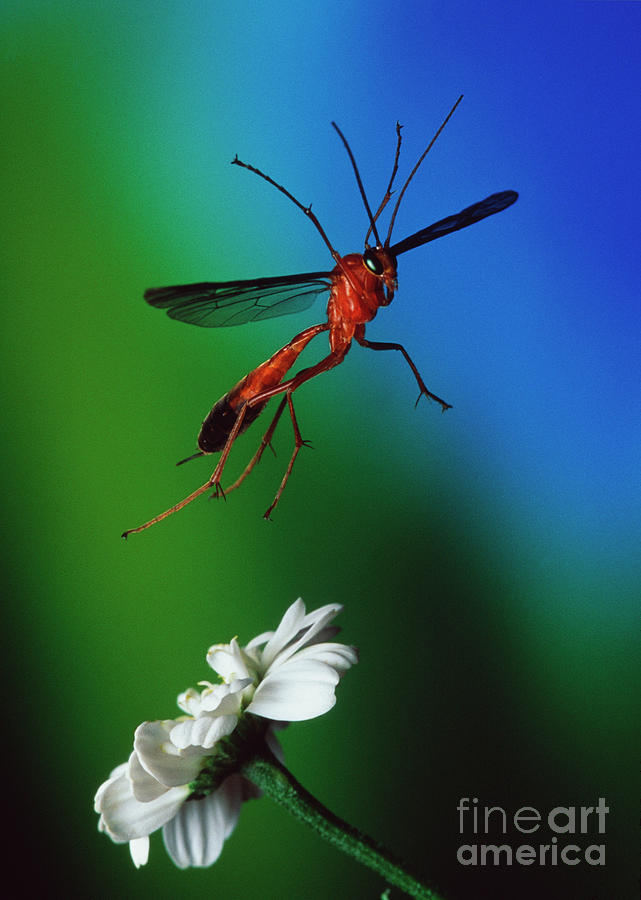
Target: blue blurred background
{"x": 488, "y": 559}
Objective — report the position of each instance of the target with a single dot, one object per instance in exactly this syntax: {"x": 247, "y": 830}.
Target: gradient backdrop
{"x": 488, "y": 559}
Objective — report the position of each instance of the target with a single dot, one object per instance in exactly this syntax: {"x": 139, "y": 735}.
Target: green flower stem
{"x": 278, "y": 783}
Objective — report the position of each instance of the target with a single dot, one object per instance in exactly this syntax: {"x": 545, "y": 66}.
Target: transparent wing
{"x": 213, "y": 304}
{"x": 494, "y": 204}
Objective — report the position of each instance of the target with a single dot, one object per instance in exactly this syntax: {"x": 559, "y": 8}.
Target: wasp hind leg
{"x": 265, "y": 442}
{"x": 298, "y": 443}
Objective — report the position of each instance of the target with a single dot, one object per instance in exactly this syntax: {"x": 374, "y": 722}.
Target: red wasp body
{"x": 354, "y": 299}
{"x": 359, "y": 284}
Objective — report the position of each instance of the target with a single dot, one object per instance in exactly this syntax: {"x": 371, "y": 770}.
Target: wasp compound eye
{"x": 373, "y": 263}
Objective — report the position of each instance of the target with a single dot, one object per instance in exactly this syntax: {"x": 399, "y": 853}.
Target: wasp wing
{"x": 494, "y": 204}
{"x": 212, "y": 304}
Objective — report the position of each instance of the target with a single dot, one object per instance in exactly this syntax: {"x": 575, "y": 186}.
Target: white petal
{"x": 139, "y": 849}
{"x": 288, "y": 628}
{"x": 296, "y": 691}
{"x": 228, "y": 661}
{"x": 339, "y": 656}
{"x": 224, "y": 699}
{"x": 311, "y": 627}
{"x": 274, "y": 745}
{"x": 233, "y": 795}
{"x": 327, "y": 633}
{"x": 114, "y": 776}
{"x": 258, "y": 641}
{"x": 189, "y": 701}
{"x": 161, "y": 758}
{"x": 144, "y": 786}
{"x": 196, "y": 835}
{"x": 322, "y": 615}
{"x": 124, "y": 818}
{"x": 202, "y": 732}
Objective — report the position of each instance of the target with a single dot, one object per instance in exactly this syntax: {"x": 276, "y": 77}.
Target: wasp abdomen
{"x": 217, "y": 426}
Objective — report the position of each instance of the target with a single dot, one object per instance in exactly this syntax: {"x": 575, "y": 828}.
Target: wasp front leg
{"x": 359, "y": 336}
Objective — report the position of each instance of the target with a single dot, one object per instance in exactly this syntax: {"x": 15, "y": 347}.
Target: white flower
{"x": 293, "y": 677}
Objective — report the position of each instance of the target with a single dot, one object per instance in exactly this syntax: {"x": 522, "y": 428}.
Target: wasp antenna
{"x": 372, "y": 219}
{"x": 416, "y": 167}
{"x": 306, "y": 209}
{"x": 389, "y": 193}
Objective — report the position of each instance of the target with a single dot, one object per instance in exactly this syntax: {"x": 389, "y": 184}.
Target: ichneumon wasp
{"x": 358, "y": 285}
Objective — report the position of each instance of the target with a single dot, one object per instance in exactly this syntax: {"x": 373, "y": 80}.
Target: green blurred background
{"x": 487, "y": 558}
